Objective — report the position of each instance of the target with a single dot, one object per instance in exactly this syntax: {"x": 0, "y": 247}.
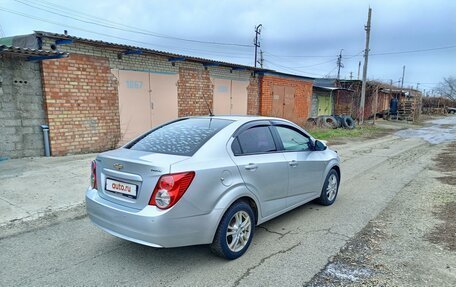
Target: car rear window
{"x": 182, "y": 137}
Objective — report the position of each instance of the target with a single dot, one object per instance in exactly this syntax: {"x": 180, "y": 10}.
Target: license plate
{"x": 121, "y": 187}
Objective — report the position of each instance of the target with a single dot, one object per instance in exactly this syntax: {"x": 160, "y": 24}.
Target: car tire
{"x": 348, "y": 122}
{"x": 234, "y": 246}
{"x": 330, "y": 188}
{"x": 329, "y": 122}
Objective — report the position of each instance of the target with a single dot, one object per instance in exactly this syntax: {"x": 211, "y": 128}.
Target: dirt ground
{"x": 411, "y": 243}
{"x": 392, "y": 225}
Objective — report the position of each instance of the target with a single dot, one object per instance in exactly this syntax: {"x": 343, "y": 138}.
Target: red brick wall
{"x": 194, "y": 88}
{"x": 303, "y": 96}
{"x": 82, "y": 104}
{"x": 253, "y": 99}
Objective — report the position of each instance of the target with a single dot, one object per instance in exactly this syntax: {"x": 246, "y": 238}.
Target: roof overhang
{"x": 122, "y": 48}
{"x": 265, "y": 72}
{"x": 32, "y": 54}
{"x": 330, "y": 89}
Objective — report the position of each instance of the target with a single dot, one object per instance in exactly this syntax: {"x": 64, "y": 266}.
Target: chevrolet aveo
{"x": 209, "y": 180}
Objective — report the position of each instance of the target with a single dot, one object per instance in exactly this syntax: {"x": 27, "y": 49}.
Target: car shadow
{"x": 201, "y": 254}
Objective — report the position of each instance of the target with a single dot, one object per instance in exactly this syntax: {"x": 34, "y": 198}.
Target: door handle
{"x": 251, "y": 166}
{"x": 293, "y": 163}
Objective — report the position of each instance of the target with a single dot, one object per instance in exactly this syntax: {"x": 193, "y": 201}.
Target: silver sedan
{"x": 209, "y": 180}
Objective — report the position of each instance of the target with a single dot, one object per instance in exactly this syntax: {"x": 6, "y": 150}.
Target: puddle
{"x": 438, "y": 131}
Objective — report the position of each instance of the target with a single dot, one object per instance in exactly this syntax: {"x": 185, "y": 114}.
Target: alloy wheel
{"x": 238, "y": 231}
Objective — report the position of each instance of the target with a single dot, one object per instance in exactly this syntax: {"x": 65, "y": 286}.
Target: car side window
{"x": 293, "y": 140}
{"x": 255, "y": 140}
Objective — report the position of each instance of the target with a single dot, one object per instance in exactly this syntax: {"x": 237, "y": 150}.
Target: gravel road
{"x": 389, "y": 195}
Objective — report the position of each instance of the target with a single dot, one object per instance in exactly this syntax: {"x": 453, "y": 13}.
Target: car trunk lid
{"x": 128, "y": 177}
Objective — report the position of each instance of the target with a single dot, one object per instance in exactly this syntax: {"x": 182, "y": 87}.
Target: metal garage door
{"x": 324, "y": 105}
{"x": 145, "y": 100}
{"x": 283, "y": 99}
{"x": 230, "y": 97}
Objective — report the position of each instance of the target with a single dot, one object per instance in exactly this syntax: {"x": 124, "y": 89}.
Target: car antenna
{"x": 208, "y": 107}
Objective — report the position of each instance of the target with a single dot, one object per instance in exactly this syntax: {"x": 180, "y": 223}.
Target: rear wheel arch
{"x": 251, "y": 202}
{"x": 245, "y": 198}
{"x": 235, "y": 230}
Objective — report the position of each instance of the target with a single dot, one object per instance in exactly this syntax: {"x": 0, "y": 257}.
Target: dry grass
{"x": 358, "y": 132}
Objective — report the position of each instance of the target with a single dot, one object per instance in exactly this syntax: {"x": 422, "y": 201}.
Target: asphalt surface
{"x": 287, "y": 251}
{"x": 35, "y": 187}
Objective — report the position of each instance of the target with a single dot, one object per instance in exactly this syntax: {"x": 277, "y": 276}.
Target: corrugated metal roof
{"x": 275, "y": 73}
{"x": 30, "y": 52}
{"x": 325, "y": 82}
{"x": 329, "y": 89}
{"x": 145, "y": 50}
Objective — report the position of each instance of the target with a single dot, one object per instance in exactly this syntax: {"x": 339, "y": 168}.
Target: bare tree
{"x": 447, "y": 88}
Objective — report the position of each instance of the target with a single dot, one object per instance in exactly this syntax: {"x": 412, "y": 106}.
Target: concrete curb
{"x": 42, "y": 219}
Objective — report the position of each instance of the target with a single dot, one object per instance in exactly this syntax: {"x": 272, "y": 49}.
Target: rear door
{"x": 263, "y": 168}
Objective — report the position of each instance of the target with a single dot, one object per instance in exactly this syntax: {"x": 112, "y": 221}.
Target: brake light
{"x": 170, "y": 188}
{"x": 93, "y": 174}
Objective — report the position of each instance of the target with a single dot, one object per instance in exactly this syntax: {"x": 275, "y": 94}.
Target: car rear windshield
{"x": 182, "y": 137}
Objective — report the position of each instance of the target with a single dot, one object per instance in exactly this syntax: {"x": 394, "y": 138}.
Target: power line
{"x": 313, "y": 65}
{"x": 112, "y": 36}
{"x": 414, "y": 51}
{"x": 291, "y": 69}
{"x": 297, "y": 56}
{"x": 329, "y": 73}
{"x": 133, "y": 31}
{"x": 374, "y": 54}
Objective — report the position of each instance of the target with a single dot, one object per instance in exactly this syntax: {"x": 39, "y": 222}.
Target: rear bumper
{"x": 151, "y": 226}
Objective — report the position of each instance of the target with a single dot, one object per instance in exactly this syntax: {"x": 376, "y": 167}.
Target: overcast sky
{"x": 299, "y": 37}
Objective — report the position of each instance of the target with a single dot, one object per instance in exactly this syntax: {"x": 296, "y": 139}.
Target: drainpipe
{"x": 47, "y": 149}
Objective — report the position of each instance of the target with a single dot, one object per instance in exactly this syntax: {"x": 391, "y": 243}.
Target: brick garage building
{"x": 285, "y": 96}
{"x": 104, "y": 94}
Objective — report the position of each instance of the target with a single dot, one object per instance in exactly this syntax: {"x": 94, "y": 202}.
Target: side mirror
{"x": 320, "y": 146}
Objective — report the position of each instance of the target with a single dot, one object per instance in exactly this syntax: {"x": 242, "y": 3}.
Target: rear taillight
{"x": 170, "y": 188}
{"x": 93, "y": 174}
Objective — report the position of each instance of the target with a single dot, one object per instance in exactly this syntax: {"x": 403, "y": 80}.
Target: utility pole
{"x": 375, "y": 103}
{"x": 417, "y": 86}
{"x": 351, "y": 75}
{"x": 366, "y": 58}
{"x": 339, "y": 64}
{"x": 359, "y": 68}
{"x": 261, "y": 59}
{"x": 257, "y": 41}
{"x": 402, "y": 81}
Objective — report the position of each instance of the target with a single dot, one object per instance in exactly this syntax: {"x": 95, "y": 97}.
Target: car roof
{"x": 240, "y": 118}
